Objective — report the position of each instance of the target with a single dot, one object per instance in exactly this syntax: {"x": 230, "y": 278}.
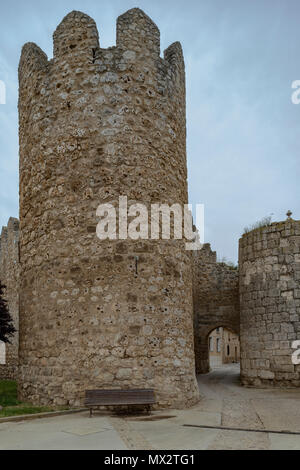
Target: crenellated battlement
{"x": 77, "y": 37}
{"x": 76, "y": 34}
{"x": 205, "y": 255}
{"x": 136, "y": 31}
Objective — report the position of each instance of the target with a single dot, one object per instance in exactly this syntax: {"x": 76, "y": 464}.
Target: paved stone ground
{"x": 224, "y": 403}
{"x": 70, "y": 432}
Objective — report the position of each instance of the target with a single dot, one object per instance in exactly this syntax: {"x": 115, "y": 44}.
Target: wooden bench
{"x": 96, "y": 398}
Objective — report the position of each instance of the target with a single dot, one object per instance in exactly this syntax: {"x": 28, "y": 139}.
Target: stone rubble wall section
{"x": 215, "y": 300}
{"x": 9, "y": 276}
{"x": 95, "y": 124}
{"x": 269, "y": 260}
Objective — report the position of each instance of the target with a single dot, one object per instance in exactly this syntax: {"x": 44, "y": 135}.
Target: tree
{"x": 7, "y": 328}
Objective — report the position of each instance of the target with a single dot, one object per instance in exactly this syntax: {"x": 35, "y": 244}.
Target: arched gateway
{"x": 216, "y": 301}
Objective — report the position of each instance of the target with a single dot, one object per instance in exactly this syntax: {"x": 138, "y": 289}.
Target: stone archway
{"x": 202, "y": 345}
{"x": 216, "y": 301}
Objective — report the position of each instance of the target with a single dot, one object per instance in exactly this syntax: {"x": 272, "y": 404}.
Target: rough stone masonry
{"x": 269, "y": 262}
{"x": 9, "y": 276}
{"x": 215, "y": 300}
{"x": 95, "y": 124}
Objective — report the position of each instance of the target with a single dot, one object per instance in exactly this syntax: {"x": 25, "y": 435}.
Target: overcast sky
{"x": 243, "y": 130}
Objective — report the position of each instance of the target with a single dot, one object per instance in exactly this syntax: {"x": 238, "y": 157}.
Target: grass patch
{"x": 24, "y": 409}
{"x": 13, "y": 407}
{"x": 8, "y": 393}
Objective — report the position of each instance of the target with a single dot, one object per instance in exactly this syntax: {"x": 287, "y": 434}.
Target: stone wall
{"x": 216, "y": 301}
{"x": 269, "y": 260}
{"x": 96, "y": 124}
{"x": 9, "y": 276}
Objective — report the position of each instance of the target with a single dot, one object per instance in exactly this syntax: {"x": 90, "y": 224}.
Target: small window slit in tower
{"x": 136, "y": 264}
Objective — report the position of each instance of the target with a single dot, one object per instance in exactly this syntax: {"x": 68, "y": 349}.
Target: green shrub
{"x": 264, "y": 222}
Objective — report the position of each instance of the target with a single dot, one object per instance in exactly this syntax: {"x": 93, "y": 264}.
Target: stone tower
{"x": 96, "y": 124}
{"x": 269, "y": 261}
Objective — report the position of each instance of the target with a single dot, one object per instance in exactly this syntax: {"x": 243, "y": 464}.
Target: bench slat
{"x": 119, "y": 397}
{"x": 118, "y": 402}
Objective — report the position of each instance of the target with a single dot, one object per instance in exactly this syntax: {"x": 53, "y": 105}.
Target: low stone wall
{"x": 269, "y": 260}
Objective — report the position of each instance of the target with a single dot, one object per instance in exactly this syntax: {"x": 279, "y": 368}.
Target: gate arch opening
{"x": 223, "y": 347}
{"x": 202, "y": 343}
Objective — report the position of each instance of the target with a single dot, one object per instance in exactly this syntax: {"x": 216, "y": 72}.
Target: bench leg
{"x": 91, "y": 412}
